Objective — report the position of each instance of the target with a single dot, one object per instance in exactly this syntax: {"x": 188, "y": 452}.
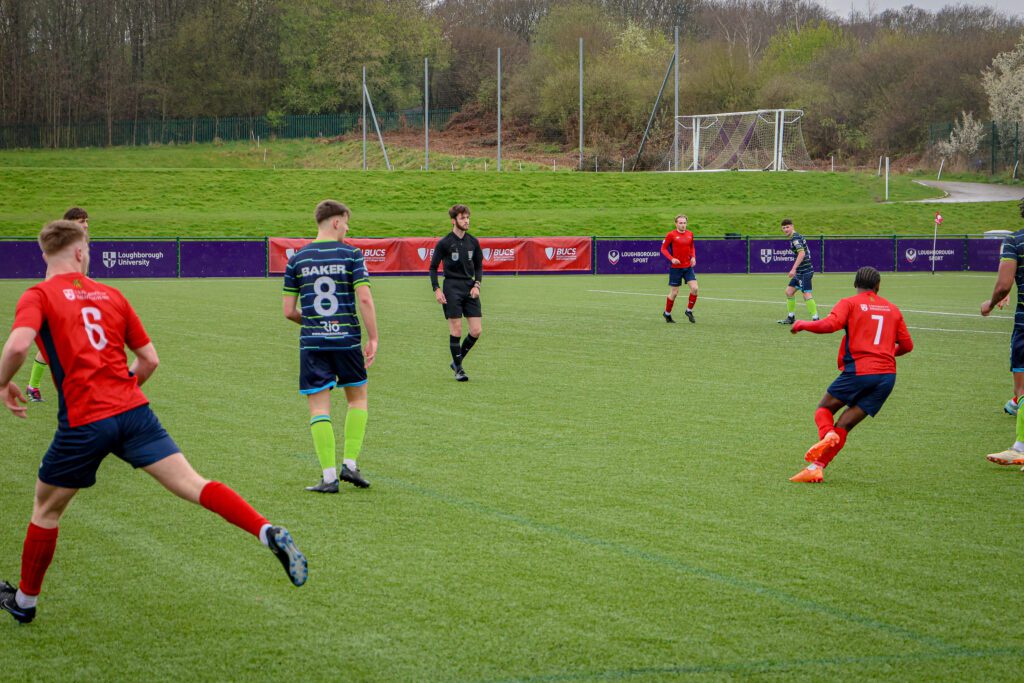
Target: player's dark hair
{"x": 1021, "y": 205}
{"x": 75, "y": 213}
{"x": 57, "y": 235}
{"x": 787, "y": 221}
{"x": 329, "y": 208}
{"x": 457, "y": 211}
{"x": 867, "y": 278}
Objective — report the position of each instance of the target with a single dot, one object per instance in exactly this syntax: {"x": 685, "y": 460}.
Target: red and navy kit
{"x": 83, "y": 327}
{"x": 875, "y": 334}
{"x": 678, "y": 245}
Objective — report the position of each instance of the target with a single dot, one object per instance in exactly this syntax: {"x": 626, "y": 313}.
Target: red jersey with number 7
{"x": 875, "y": 333}
{"x": 82, "y": 328}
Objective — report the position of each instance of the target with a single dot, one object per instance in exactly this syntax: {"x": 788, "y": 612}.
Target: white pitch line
{"x": 941, "y": 329}
{"x": 778, "y": 303}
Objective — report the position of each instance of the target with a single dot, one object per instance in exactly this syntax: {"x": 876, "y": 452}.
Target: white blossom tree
{"x": 1004, "y": 85}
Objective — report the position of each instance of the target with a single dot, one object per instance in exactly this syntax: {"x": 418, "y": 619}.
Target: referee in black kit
{"x": 460, "y": 295}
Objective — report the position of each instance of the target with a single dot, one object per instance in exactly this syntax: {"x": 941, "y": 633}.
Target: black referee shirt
{"x": 462, "y": 259}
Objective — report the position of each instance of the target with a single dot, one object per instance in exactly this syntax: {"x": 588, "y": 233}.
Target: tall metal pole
{"x": 364, "y": 118}
{"x": 581, "y": 104}
{"x": 426, "y": 115}
{"x": 499, "y": 109}
{"x": 675, "y": 115}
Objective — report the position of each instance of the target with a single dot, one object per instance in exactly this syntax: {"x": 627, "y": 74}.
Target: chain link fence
{"x": 181, "y": 131}
{"x": 1000, "y": 149}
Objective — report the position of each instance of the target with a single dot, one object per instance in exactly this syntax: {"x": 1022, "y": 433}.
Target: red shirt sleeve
{"x": 904, "y": 344}
{"x": 664, "y": 247}
{"x": 836, "y": 320}
{"x": 135, "y": 334}
{"x": 29, "y": 312}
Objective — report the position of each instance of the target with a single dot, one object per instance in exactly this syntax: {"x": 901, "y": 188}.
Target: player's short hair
{"x": 787, "y": 221}
{"x": 682, "y": 215}
{"x": 76, "y": 213}
{"x": 457, "y": 211}
{"x": 867, "y": 278}
{"x": 329, "y": 208}
{"x": 1021, "y": 205}
{"x": 57, "y": 235}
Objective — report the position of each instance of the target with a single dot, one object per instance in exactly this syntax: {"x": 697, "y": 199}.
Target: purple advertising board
{"x": 775, "y": 256}
{"x": 634, "y": 257}
{"x": 135, "y": 258}
{"x": 721, "y": 256}
{"x": 21, "y": 260}
{"x": 983, "y": 254}
{"x": 916, "y": 254}
{"x": 224, "y": 259}
{"x": 850, "y": 255}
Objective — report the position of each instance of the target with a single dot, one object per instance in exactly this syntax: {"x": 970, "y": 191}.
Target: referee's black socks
{"x": 467, "y": 344}
{"x": 456, "y": 348}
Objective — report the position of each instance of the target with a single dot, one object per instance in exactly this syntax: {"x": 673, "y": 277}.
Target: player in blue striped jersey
{"x": 324, "y": 283}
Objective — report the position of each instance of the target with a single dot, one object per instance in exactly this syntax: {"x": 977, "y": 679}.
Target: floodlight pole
{"x": 499, "y": 109}
{"x": 376, "y": 127}
{"x": 654, "y": 110}
{"x": 887, "y": 179}
{"x": 426, "y": 115}
{"x": 364, "y": 117}
{"x": 581, "y": 104}
{"x": 675, "y": 113}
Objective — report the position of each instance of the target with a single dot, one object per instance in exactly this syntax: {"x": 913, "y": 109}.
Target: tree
{"x": 1004, "y": 84}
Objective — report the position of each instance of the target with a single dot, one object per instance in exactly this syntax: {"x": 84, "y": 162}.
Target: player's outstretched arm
{"x": 1004, "y": 283}
{"x": 11, "y": 359}
{"x": 145, "y": 363}
{"x": 290, "y": 308}
{"x": 368, "y": 314}
{"x": 834, "y": 321}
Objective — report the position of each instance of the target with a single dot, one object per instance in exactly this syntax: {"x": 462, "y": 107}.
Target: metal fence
{"x": 179, "y": 131}
{"x": 1000, "y": 150}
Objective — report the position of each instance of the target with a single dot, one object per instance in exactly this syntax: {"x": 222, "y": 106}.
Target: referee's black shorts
{"x": 460, "y": 304}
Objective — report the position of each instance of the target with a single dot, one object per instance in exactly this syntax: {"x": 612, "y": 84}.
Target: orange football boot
{"x": 808, "y": 476}
{"x": 830, "y": 440}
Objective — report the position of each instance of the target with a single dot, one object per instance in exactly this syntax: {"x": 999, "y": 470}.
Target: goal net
{"x": 761, "y": 140}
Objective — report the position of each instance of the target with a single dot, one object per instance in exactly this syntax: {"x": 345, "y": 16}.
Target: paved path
{"x": 972, "y": 192}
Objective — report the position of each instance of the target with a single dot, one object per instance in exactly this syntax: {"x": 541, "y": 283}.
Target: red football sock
{"x": 220, "y": 498}
{"x": 823, "y": 418}
{"x": 36, "y": 556}
{"x": 693, "y": 300}
{"x": 827, "y": 456}
{"x": 669, "y": 303}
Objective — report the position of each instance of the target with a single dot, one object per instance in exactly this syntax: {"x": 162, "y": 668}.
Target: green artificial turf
{"x": 606, "y": 499}
{"x": 208, "y": 190}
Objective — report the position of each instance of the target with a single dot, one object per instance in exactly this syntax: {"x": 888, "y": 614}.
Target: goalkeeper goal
{"x": 761, "y": 140}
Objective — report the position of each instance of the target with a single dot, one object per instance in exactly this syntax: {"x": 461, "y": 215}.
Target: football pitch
{"x": 606, "y": 499}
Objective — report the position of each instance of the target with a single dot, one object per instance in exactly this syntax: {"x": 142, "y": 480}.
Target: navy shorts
{"x": 802, "y": 281}
{"x": 677, "y": 276}
{"x": 136, "y": 436}
{"x": 321, "y": 369}
{"x": 460, "y": 303}
{"x": 867, "y": 392}
{"x": 1017, "y": 349}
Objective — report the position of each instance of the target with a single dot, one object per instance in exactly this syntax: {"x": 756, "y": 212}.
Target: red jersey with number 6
{"x": 875, "y": 333}
{"x": 83, "y": 327}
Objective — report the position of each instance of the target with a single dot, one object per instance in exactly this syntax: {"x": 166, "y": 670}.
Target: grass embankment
{"x": 228, "y": 190}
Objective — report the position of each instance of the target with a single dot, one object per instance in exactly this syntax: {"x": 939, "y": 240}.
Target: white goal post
{"x": 759, "y": 140}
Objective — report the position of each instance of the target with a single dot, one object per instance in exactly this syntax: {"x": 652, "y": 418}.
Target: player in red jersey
{"x": 875, "y": 335}
{"x": 82, "y": 327}
{"x": 678, "y": 249}
{"x": 78, "y": 215}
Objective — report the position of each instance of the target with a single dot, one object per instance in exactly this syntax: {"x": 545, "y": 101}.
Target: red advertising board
{"x": 281, "y": 249}
{"x": 557, "y": 253}
{"x": 412, "y": 254}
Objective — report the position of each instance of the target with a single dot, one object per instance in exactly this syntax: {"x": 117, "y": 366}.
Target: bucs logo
{"x": 422, "y": 253}
{"x": 549, "y": 252}
{"x": 487, "y": 253}
{"x": 613, "y": 257}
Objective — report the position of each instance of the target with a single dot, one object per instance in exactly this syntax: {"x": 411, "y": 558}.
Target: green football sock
{"x": 791, "y": 305}
{"x": 355, "y": 430}
{"x": 37, "y": 374}
{"x": 323, "y": 440}
{"x": 812, "y": 307}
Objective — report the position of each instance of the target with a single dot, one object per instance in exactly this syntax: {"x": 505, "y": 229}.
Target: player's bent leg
{"x": 178, "y": 476}
{"x": 355, "y": 431}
